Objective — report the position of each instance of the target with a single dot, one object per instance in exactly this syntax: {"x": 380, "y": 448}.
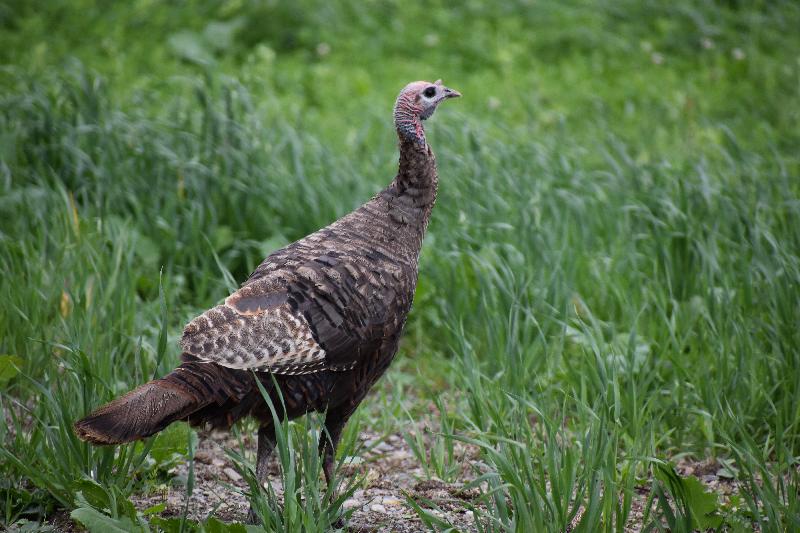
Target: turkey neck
{"x": 412, "y": 194}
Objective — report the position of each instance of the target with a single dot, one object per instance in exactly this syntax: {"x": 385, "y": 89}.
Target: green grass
{"x": 611, "y": 279}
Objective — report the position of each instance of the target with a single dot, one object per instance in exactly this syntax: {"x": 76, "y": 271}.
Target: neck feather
{"x": 417, "y": 167}
{"x": 407, "y": 120}
{"x": 413, "y": 192}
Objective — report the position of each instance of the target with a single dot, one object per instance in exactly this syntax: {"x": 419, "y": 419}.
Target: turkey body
{"x": 353, "y": 284}
{"x": 316, "y": 324}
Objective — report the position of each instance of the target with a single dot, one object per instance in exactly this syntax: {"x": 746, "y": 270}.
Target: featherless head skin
{"x": 417, "y": 102}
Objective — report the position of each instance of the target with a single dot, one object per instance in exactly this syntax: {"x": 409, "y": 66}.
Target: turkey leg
{"x": 266, "y": 443}
{"x": 328, "y": 442}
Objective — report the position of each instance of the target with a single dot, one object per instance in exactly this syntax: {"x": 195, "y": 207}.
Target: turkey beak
{"x": 450, "y": 93}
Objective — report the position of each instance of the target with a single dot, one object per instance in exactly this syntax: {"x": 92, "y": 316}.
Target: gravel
{"x": 390, "y": 473}
{"x": 388, "y": 467}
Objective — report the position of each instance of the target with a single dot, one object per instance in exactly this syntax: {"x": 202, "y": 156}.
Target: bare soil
{"x": 390, "y": 472}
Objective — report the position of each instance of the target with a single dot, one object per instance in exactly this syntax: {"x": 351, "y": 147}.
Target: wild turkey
{"x": 321, "y": 318}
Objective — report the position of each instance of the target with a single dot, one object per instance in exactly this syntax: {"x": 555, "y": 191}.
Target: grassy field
{"x": 610, "y": 284}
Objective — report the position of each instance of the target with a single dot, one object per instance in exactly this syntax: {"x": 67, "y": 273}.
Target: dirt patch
{"x": 389, "y": 469}
{"x": 390, "y": 473}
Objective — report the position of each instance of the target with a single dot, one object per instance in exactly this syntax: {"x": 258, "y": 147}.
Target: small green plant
{"x": 694, "y": 507}
{"x": 435, "y": 451}
{"x": 305, "y": 503}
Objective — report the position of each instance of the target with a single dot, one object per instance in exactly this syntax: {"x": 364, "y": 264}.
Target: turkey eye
{"x": 430, "y": 92}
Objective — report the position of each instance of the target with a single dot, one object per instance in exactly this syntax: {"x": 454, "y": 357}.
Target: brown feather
{"x": 140, "y": 413}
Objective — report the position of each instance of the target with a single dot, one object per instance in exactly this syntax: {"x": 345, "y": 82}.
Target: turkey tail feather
{"x": 140, "y": 413}
{"x": 153, "y": 406}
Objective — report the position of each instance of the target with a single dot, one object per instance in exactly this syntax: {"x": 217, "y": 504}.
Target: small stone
{"x": 402, "y": 479}
{"x": 372, "y": 477}
{"x": 219, "y": 463}
{"x": 390, "y": 501}
{"x": 377, "y": 508}
{"x": 384, "y": 447}
{"x": 232, "y": 474}
{"x": 352, "y": 503}
{"x": 203, "y": 456}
